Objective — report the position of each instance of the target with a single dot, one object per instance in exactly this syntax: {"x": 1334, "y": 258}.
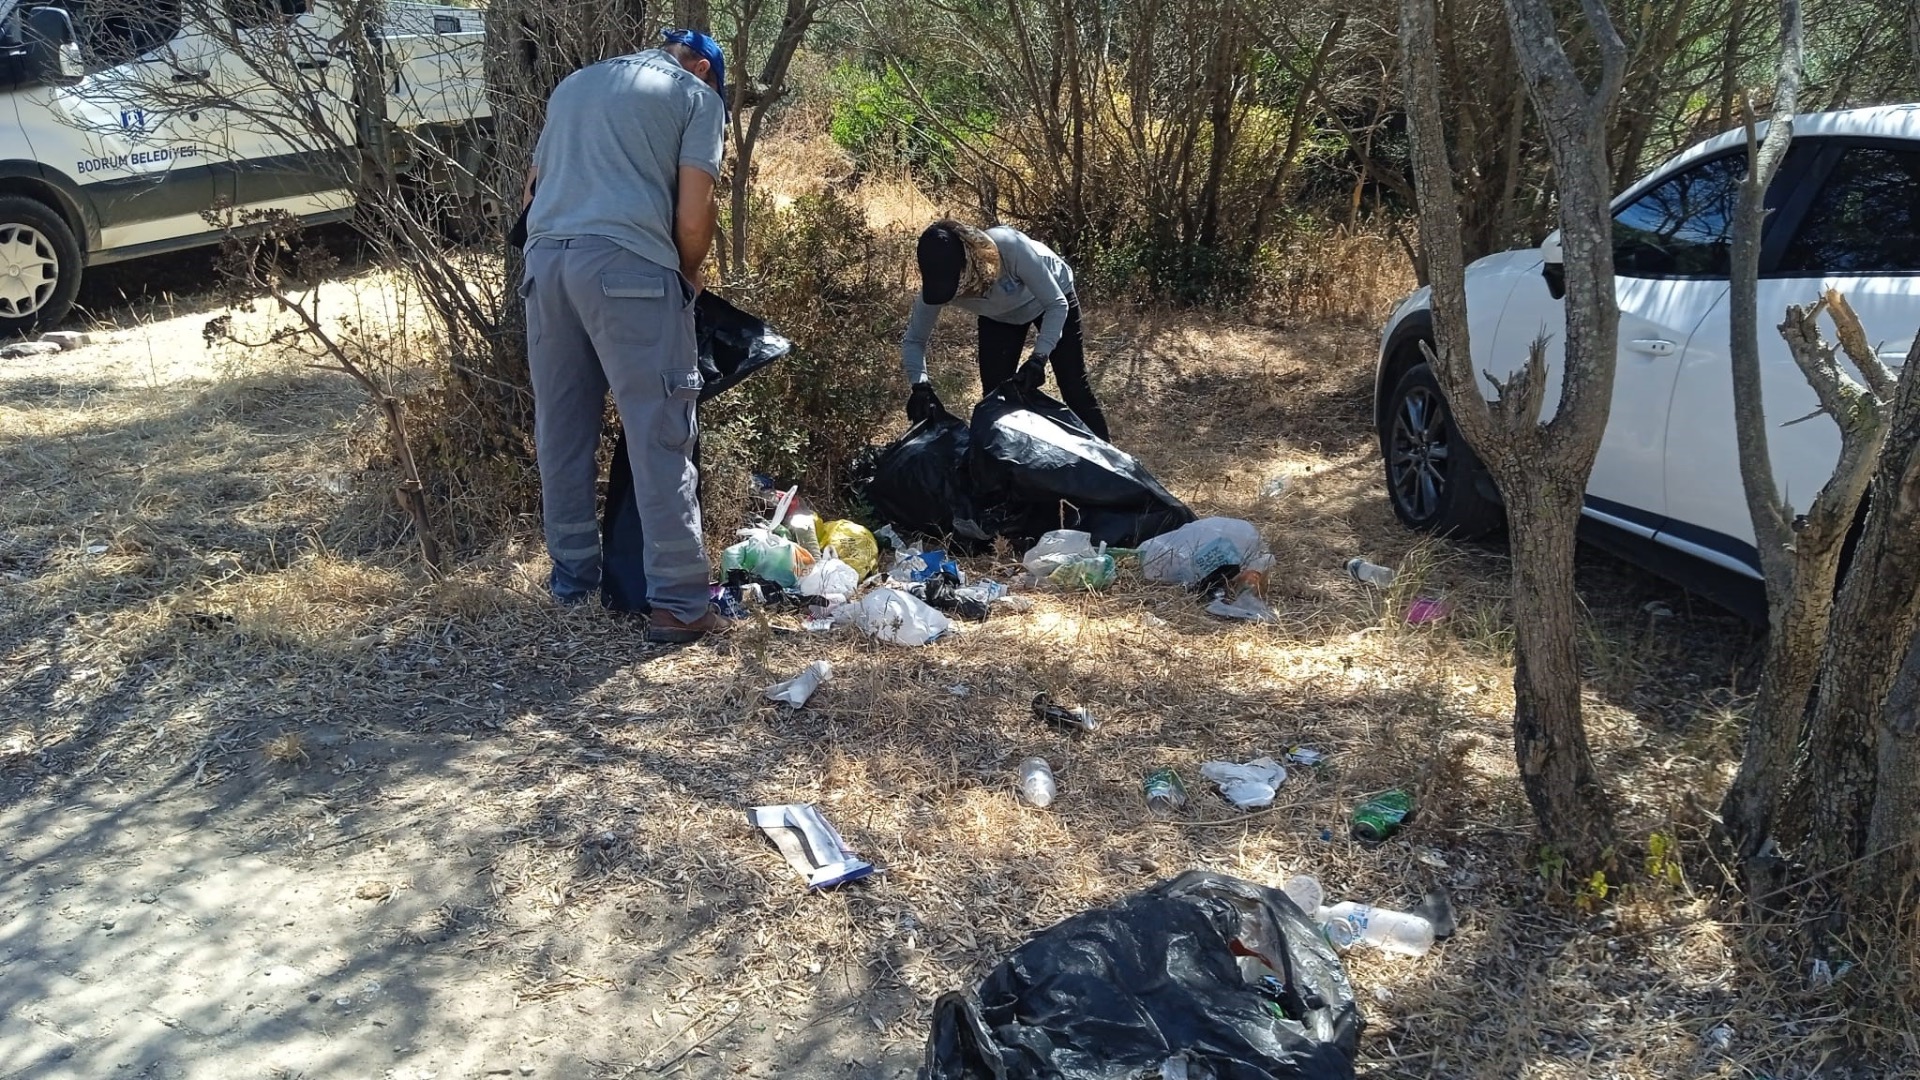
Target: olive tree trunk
{"x": 1799, "y": 562}
{"x": 1877, "y": 614}
{"x": 1891, "y": 867}
{"x": 1541, "y": 467}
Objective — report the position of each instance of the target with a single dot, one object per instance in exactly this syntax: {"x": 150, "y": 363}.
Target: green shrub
{"x": 1156, "y": 261}
{"x": 876, "y": 121}
{"x": 821, "y": 277}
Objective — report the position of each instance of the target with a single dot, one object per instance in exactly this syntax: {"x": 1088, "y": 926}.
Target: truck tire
{"x": 1434, "y": 480}
{"x": 40, "y": 266}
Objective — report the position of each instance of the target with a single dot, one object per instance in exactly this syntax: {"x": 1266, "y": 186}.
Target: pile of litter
{"x": 1258, "y": 987}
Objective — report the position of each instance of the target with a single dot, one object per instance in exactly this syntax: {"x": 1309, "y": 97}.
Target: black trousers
{"x": 1000, "y": 346}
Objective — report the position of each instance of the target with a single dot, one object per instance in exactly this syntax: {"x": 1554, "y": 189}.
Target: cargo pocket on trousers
{"x": 680, "y": 420}
{"x": 636, "y": 305}
{"x": 525, "y": 292}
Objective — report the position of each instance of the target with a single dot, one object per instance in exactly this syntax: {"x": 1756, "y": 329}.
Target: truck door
{"x": 129, "y": 135}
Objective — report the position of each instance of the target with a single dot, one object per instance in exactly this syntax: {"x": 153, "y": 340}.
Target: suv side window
{"x": 1681, "y": 227}
{"x": 1866, "y": 220}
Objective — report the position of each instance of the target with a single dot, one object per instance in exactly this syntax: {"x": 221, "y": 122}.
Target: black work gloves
{"x": 1033, "y": 373}
{"x": 922, "y": 402}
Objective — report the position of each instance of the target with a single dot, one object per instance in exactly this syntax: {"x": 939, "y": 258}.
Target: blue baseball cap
{"x": 709, "y": 51}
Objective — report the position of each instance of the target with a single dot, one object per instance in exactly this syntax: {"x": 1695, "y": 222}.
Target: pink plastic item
{"x": 1427, "y": 610}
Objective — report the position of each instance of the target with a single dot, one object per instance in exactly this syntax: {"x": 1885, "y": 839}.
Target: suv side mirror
{"x": 53, "y": 52}
{"x": 1553, "y": 265}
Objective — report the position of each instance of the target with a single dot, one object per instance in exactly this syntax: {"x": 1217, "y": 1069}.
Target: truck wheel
{"x": 40, "y": 266}
{"x": 1433, "y": 477}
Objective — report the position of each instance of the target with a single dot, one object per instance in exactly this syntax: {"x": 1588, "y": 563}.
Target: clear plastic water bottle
{"x": 1370, "y": 573}
{"x": 1036, "y": 782}
{"x": 1394, "y": 931}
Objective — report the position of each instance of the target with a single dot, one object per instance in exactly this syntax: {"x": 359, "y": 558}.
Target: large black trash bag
{"x": 1035, "y": 467}
{"x": 1113, "y": 993}
{"x": 732, "y": 345}
{"x": 919, "y": 483}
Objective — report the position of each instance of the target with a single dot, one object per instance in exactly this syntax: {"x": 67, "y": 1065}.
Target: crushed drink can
{"x": 1381, "y": 816}
{"x": 1045, "y": 711}
{"x": 1165, "y": 793}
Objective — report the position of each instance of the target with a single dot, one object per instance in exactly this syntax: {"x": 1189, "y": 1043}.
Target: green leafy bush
{"x": 825, "y": 280}
{"x": 877, "y": 121}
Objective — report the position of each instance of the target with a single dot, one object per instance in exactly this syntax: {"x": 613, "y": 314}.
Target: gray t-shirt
{"x": 1034, "y": 284}
{"x": 610, "y": 155}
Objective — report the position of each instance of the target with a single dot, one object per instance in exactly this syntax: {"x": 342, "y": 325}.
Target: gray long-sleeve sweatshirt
{"x": 1034, "y": 284}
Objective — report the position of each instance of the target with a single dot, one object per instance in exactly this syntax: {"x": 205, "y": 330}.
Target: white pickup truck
{"x": 125, "y": 122}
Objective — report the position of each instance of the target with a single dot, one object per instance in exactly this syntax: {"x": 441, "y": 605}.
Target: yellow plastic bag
{"x": 853, "y": 543}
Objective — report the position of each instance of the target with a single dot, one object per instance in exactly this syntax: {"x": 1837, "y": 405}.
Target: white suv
{"x": 1666, "y": 489}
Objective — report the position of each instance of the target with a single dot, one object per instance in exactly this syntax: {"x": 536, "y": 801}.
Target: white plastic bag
{"x": 1189, "y": 553}
{"x": 1247, "y": 786}
{"x": 830, "y": 579}
{"x": 894, "y": 616}
{"x": 1055, "y": 550}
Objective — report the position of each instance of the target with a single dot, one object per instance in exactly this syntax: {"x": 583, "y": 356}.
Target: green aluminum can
{"x": 1165, "y": 793}
{"x": 1381, "y": 816}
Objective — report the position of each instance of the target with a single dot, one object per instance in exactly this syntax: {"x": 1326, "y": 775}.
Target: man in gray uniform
{"x": 617, "y": 229}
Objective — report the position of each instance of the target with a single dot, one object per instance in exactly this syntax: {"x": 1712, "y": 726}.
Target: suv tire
{"x": 1435, "y": 481}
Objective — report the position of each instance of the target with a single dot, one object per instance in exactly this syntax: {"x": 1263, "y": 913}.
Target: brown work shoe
{"x": 663, "y": 627}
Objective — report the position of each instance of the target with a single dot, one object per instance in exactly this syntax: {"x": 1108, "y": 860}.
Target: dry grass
{"x": 192, "y": 577}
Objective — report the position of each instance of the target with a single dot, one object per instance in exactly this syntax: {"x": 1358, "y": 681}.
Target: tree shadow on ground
{"x": 464, "y": 812}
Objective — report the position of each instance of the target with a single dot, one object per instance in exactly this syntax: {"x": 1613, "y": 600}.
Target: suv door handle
{"x": 191, "y": 76}
{"x": 1653, "y": 346}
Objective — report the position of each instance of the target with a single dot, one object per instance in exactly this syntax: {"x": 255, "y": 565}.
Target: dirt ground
{"x": 273, "y": 804}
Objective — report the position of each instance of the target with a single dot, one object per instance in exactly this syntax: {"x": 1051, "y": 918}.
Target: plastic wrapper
{"x": 810, "y": 844}
{"x": 1247, "y": 605}
{"x": 797, "y": 690}
{"x": 1247, "y": 786}
{"x": 893, "y": 616}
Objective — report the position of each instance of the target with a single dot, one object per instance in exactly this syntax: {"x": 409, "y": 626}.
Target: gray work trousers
{"x": 600, "y": 317}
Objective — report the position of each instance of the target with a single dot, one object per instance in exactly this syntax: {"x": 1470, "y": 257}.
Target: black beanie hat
{"x": 942, "y": 256}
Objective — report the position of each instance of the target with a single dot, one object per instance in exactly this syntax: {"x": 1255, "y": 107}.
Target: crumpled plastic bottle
{"x": 1094, "y": 570}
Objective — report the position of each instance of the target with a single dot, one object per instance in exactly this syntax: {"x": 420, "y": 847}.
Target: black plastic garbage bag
{"x": 1114, "y": 993}
{"x": 1035, "y": 467}
{"x": 732, "y": 346}
{"x": 919, "y": 484}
